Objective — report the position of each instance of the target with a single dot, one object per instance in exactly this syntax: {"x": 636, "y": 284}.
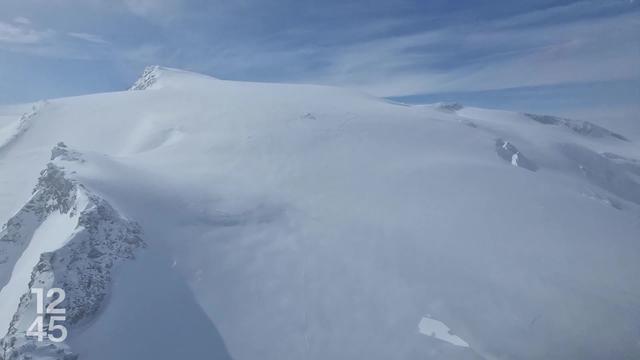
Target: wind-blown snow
{"x": 10, "y": 132}
{"x": 310, "y": 222}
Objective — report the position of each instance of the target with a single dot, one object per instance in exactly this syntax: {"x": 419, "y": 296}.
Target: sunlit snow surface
{"x": 288, "y": 222}
{"x": 437, "y": 329}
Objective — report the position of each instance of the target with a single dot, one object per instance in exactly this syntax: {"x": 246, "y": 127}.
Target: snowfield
{"x": 198, "y": 218}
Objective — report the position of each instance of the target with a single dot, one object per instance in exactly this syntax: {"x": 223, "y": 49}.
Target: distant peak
{"x": 149, "y": 77}
{"x": 584, "y": 128}
{"x": 449, "y": 106}
{"x": 63, "y": 152}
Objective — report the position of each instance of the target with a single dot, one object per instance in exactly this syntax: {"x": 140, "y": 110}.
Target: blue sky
{"x": 577, "y": 58}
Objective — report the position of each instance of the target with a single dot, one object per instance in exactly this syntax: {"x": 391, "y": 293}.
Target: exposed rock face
{"x": 631, "y": 165}
{"x": 53, "y": 192}
{"x": 82, "y": 267}
{"x": 62, "y": 152}
{"x": 584, "y": 128}
{"x": 511, "y": 154}
{"x": 449, "y": 107}
{"x": 149, "y": 77}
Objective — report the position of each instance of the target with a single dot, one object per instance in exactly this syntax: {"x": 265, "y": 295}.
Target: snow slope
{"x": 309, "y": 222}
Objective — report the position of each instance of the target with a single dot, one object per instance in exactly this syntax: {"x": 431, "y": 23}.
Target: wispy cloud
{"x": 483, "y": 58}
{"x": 20, "y": 32}
{"x": 154, "y": 8}
{"x": 88, "y": 37}
{"x": 22, "y": 20}
{"x": 24, "y": 36}
{"x": 388, "y": 49}
{"x": 584, "y": 41}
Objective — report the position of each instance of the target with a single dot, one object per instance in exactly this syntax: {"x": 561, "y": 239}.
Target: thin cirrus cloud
{"x": 452, "y": 59}
{"x": 406, "y": 48}
{"x": 23, "y": 36}
{"x": 22, "y": 20}
{"x": 88, "y": 37}
{"x": 582, "y": 41}
{"x": 19, "y": 32}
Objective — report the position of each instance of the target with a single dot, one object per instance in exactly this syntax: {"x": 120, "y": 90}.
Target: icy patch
{"x": 514, "y": 159}
{"x": 437, "y": 329}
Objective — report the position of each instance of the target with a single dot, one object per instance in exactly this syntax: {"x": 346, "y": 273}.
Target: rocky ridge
{"x": 82, "y": 267}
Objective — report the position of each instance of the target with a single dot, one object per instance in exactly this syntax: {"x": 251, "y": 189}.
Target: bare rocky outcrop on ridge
{"x": 449, "y": 107}
{"x": 149, "y": 77}
{"x": 82, "y": 266}
{"x": 53, "y": 192}
{"x": 62, "y": 152}
{"x": 508, "y": 152}
{"x": 584, "y": 128}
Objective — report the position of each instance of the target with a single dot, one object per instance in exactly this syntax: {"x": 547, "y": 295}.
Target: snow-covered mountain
{"x": 197, "y": 218}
